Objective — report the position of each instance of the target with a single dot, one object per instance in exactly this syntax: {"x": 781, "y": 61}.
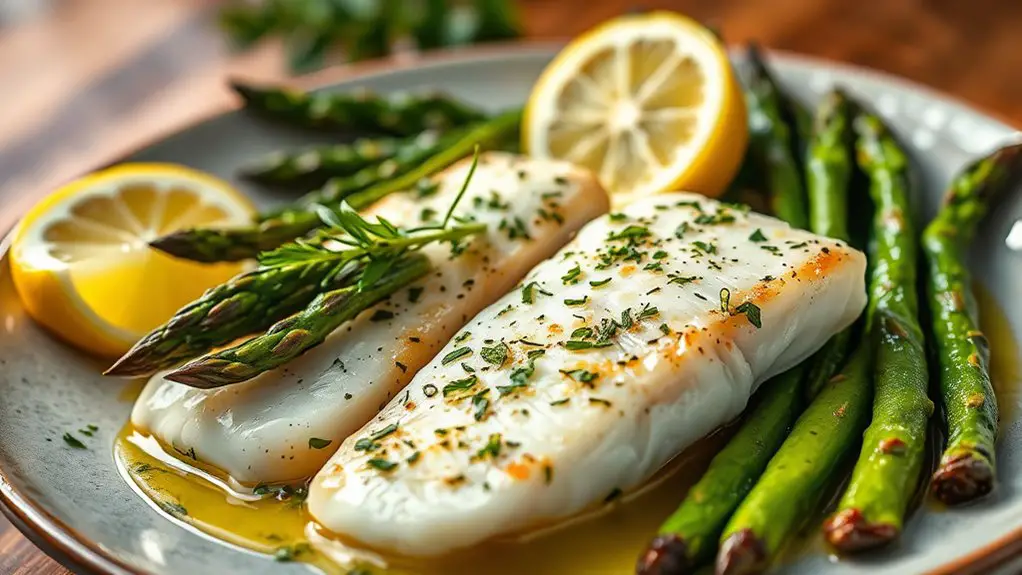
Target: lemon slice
{"x": 82, "y": 265}
{"x": 648, "y": 102}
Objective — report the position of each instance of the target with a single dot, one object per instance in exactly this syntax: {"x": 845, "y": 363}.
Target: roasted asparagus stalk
{"x": 873, "y": 507}
{"x": 363, "y": 110}
{"x": 828, "y": 175}
{"x": 293, "y": 336}
{"x": 313, "y": 166}
{"x": 247, "y": 303}
{"x": 771, "y": 144}
{"x": 966, "y": 470}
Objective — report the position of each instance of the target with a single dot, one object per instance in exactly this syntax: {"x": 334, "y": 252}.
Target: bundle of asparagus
{"x": 777, "y": 468}
{"x": 327, "y": 280}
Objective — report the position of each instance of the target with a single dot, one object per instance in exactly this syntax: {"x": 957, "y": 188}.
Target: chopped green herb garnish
{"x": 681, "y": 230}
{"x": 705, "y": 247}
{"x": 598, "y": 283}
{"x": 630, "y": 232}
{"x": 618, "y": 217}
{"x": 73, "y": 441}
{"x": 571, "y": 301}
{"x": 495, "y": 355}
{"x": 456, "y": 355}
{"x": 576, "y": 345}
{"x": 752, "y": 312}
{"x": 572, "y": 276}
{"x": 492, "y": 447}
{"x": 560, "y": 401}
{"x": 681, "y": 280}
{"x": 757, "y": 236}
{"x": 459, "y": 389}
{"x": 381, "y": 464}
{"x": 665, "y": 329}
{"x": 720, "y": 217}
{"x": 480, "y": 405}
{"x": 381, "y": 315}
{"x": 384, "y": 432}
{"x": 317, "y": 443}
{"x": 648, "y": 311}
{"x": 582, "y": 333}
{"x": 581, "y": 375}
{"x": 365, "y": 444}
{"x": 725, "y": 300}
{"x": 529, "y": 291}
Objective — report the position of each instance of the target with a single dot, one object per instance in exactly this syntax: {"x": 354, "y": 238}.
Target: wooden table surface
{"x": 94, "y": 78}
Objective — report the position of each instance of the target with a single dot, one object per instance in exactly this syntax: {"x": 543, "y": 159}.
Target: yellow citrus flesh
{"x": 82, "y": 265}
{"x": 648, "y": 102}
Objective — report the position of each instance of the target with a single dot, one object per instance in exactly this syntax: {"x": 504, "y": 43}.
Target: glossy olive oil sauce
{"x": 607, "y": 539}
{"x": 1005, "y": 355}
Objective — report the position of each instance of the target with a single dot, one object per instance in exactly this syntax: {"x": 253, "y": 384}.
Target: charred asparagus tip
{"x": 201, "y": 375}
{"x": 742, "y": 553}
{"x": 126, "y": 367}
{"x": 961, "y": 478}
{"x": 174, "y": 244}
{"x": 848, "y": 531}
{"x": 666, "y": 555}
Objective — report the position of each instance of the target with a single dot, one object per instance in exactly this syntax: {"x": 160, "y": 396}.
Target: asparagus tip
{"x": 849, "y": 531}
{"x": 200, "y": 374}
{"x": 742, "y": 553}
{"x": 126, "y": 366}
{"x": 176, "y": 244}
{"x": 666, "y": 555}
{"x": 962, "y": 477}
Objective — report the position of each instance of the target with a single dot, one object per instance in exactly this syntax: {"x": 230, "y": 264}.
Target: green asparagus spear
{"x": 771, "y": 144}
{"x": 886, "y": 475}
{"x": 406, "y": 159}
{"x": 688, "y": 538}
{"x": 314, "y": 166}
{"x": 247, "y": 303}
{"x": 402, "y": 115}
{"x": 796, "y": 477}
{"x": 828, "y": 173}
{"x": 966, "y": 470}
{"x": 212, "y": 245}
{"x": 291, "y": 337}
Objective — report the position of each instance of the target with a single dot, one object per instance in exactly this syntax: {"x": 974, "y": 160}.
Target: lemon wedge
{"x": 648, "y": 102}
{"x": 82, "y": 265}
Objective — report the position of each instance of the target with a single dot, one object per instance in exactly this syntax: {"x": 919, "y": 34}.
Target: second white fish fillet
{"x": 647, "y": 332}
{"x": 284, "y": 424}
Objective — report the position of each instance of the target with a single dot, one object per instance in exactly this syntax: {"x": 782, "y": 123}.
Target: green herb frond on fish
{"x": 386, "y": 260}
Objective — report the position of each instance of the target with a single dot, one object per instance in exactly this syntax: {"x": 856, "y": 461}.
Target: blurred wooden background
{"x": 84, "y": 80}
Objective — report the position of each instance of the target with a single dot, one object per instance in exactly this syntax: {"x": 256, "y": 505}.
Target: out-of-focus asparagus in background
{"x": 316, "y": 30}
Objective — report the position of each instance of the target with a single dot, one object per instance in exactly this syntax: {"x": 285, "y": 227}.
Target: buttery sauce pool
{"x": 606, "y": 539}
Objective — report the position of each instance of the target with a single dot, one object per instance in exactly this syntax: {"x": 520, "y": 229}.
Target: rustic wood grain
{"x": 98, "y": 77}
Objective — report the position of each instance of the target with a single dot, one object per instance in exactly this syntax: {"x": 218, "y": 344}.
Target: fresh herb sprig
{"x": 384, "y": 259}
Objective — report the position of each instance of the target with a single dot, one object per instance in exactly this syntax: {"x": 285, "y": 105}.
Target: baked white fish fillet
{"x": 276, "y": 427}
{"x": 648, "y": 331}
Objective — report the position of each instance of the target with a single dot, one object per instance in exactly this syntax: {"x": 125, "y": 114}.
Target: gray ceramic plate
{"x": 74, "y": 504}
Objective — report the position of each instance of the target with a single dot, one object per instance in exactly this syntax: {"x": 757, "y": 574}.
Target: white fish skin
{"x": 458, "y": 466}
{"x": 260, "y": 430}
